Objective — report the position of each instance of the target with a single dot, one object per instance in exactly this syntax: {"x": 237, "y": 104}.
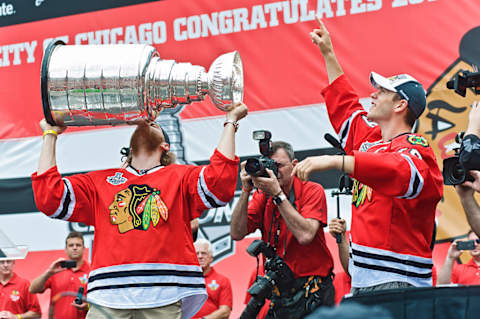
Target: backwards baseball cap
{"x": 406, "y": 86}
{"x": 167, "y": 139}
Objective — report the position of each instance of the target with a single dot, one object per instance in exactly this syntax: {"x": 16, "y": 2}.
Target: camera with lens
{"x": 467, "y": 157}
{"x": 465, "y": 79}
{"x": 454, "y": 173}
{"x": 277, "y": 273}
{"x": 256, "y": 167}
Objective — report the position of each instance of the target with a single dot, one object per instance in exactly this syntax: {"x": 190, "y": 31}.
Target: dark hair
{"x": 74, "y": 234}
{"x": 410, "y": 118}
{"x": 286, "y": 146}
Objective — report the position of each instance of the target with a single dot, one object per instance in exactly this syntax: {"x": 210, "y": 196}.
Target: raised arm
{"x": 47, "y": 154}
{"x": 226, "y": 145}
{"x": 445, "y": 274}
{"x": 321, "y": 37}
{"x": 238, "y": 224}
{"x": 38, "y": 284}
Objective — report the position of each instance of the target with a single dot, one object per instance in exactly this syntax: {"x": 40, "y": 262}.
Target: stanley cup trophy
{"x": 84, "y": 85}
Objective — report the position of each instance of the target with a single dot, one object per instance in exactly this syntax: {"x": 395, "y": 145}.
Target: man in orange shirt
{"x": 15, "y": 300}
{"x": 60, "y": 280}
{"x": 219, "y": 289}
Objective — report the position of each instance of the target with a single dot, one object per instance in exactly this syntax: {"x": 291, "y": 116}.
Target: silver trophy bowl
{"x": 85, "y": 85}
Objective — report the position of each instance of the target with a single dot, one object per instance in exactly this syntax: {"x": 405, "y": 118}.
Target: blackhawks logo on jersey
{"x": 360, "y": 193}
{"x": 417, "y": 140}
{"x": 136, "y": 207}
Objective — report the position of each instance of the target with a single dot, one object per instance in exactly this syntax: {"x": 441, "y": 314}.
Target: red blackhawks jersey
{"x": 143, "y": 254}
{"x": 396, "y": 190}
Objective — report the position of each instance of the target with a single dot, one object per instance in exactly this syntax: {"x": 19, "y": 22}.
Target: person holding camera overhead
{"x": 291, "y": 215}
{"x": 470, "y": 159}
{"x": 463, "y": 274}
{"x": 397, "y": 180}
{"x": 66, "y": 276}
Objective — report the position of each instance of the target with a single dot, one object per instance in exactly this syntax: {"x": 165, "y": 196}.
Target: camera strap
{"x": 276, "y": 222}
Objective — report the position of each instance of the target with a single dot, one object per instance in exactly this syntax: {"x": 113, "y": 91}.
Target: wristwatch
{"x": 279, "y": 198}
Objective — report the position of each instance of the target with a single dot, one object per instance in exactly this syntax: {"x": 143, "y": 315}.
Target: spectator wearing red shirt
{"x": 219, "y": 289}
{"x": 16, "y": 302}
{"x": 463, "y": 274}
{"x": 66, "y": 280}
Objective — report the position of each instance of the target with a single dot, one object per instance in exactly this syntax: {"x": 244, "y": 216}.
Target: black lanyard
{"x": 276, "y": 220}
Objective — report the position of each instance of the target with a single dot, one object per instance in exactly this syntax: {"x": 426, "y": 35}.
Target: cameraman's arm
{"x": 303, "y": 229}
{"x": 238, "y": 224}
{"x": 470, "y": 205}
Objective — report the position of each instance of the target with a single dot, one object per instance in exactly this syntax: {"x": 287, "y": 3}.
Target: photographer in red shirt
{"x": 60, "y": 279}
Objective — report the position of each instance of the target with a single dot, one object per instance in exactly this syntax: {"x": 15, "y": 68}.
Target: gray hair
{"x": 203, "y": 241}
{"x": 286, "y": 146}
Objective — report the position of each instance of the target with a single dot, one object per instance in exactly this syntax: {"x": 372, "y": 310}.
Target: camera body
{"x": 68, "y": 264}
{"x": 454, "y": 173}
{"x": 277, "y": 273}
{"x": 79, "y": 298}
{"x": 256, "y": 167}
{"x": 467, "y": 244}
{"x": 463, "y": 80}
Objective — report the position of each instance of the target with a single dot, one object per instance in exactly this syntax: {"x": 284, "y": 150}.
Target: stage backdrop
{"x": 284, "y": 74}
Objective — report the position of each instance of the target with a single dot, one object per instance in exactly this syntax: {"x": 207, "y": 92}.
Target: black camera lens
{"x": 254, "y": 167}
{"x": 453, "y": 172}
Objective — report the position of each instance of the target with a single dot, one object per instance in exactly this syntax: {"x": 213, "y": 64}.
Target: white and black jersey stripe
{"x": 345, "y": 129}
{"x": 208, "y": 198}
{"x": 372, "y": 266}
{"x": 415, "y": 185}
{"x": 152, "y": 285}
{"x": 67, "y": 203}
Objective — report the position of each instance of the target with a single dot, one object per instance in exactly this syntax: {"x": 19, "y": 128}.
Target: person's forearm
{"x": 30, "y": 315}
{"x": 47, "y": 154}
{"x": 226, "y": 145}
{"x": 445, "y": 273}
{"x": 222, "y": 313}
{"x": 303, "y": 229}
{"x": 238, "y": 224}
{"x": 472, "y": 210}
{"x": 343, "y": 253}
{"x": 38, "y": 284}
{"x": 334, "y": 70}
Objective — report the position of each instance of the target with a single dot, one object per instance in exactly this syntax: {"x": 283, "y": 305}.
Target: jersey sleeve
{"x": 70, "y": 198}
{"x": 213, "y": 185}
{"x": 226, "y": 296}
{"x": 403, "y": 173}
{"x": 313, "y": 203}
{"x": 347, "y": 115}
{"x": 256, "y": 207}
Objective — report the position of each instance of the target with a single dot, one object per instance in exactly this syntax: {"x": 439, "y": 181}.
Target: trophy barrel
{"x": 85, "y": 85}
{"x": 95, "y": 84}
